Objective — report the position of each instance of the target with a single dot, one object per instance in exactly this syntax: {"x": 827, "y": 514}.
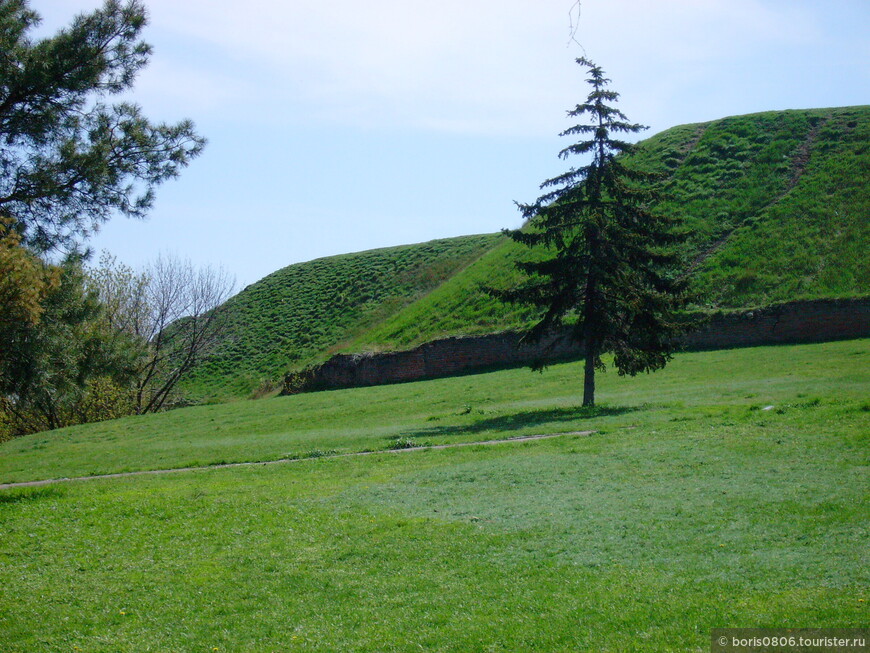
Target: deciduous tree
{"x": 57, "y": 363}
{"x": 174, "y": 312}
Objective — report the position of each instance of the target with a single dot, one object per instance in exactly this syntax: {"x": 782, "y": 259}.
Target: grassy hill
{"x": 778, "y": 203}
{"x": 299, "y": 314}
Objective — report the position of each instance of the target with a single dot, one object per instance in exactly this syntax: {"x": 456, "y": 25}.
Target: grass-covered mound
{"x": 297, "y": 315}
{"x": 778, "y": 203}
{"x": 726, "y": 490}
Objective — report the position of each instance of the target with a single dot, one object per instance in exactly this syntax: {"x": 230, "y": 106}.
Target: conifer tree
{"x": 70, "y": 159}
{"x": 605, "y": 264}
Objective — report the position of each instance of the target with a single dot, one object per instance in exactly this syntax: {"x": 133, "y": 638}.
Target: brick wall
{"x": 795, "y": 322}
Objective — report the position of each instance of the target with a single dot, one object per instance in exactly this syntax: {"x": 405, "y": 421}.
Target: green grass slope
{"x": 778, "y": 202}
{"x": 812, "y": 239}
{"x": 297, "y": 315}
{"x": 457, "y": 306}
{"x": 692, "y": 507}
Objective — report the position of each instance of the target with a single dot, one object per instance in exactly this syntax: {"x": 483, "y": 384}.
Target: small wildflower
{"x": 121, "y": 612}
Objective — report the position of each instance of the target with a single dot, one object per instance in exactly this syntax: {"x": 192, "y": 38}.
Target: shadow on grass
{"x": 524, "y": 419}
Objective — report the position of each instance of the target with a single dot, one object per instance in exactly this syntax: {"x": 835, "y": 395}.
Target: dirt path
{"x": 524, "y": 438}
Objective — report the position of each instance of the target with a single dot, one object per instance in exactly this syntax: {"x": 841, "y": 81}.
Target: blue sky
{"x": 338, "y": 125}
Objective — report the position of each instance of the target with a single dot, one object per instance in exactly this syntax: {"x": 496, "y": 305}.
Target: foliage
{"x": 25, "y": 281}
{"x": 610, "y": 263}
{"x": 68, "y": 160}
{"x": 106, "y": 398}
{"x": 7, "y": 424}
{"x": 65, "y": 361}
{"x": 107, "y": 342}
{"x": 637, "y": 538}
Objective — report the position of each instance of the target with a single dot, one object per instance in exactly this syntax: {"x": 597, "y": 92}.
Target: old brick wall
{"x": 795, "y": 322}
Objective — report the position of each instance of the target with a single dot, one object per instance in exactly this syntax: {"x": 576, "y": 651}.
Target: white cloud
{"x": 678, "y": 31}
{"x": 468, "y": 66}
{"x": 478, "y": 65}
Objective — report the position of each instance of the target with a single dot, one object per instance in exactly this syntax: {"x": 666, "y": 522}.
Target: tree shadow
{"x": 524, "y": 419}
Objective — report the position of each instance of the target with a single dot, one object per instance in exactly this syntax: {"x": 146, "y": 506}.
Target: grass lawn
{"x": 691, "y": 508}
{"x": 484, "y": 406}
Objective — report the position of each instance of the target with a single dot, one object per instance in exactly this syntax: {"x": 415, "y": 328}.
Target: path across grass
{"x": 403, "y": 449}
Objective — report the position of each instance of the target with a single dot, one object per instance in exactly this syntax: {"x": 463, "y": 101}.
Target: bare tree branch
{"x": 174, "y": 310}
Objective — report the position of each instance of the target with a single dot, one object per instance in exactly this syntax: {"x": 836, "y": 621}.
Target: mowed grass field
{"x": 729, "y": 490}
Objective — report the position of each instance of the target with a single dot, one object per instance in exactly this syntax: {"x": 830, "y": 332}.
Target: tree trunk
{"x": 589, "y": 376}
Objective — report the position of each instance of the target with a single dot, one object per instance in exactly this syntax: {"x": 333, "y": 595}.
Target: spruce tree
{"x": 605, "y": 263}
